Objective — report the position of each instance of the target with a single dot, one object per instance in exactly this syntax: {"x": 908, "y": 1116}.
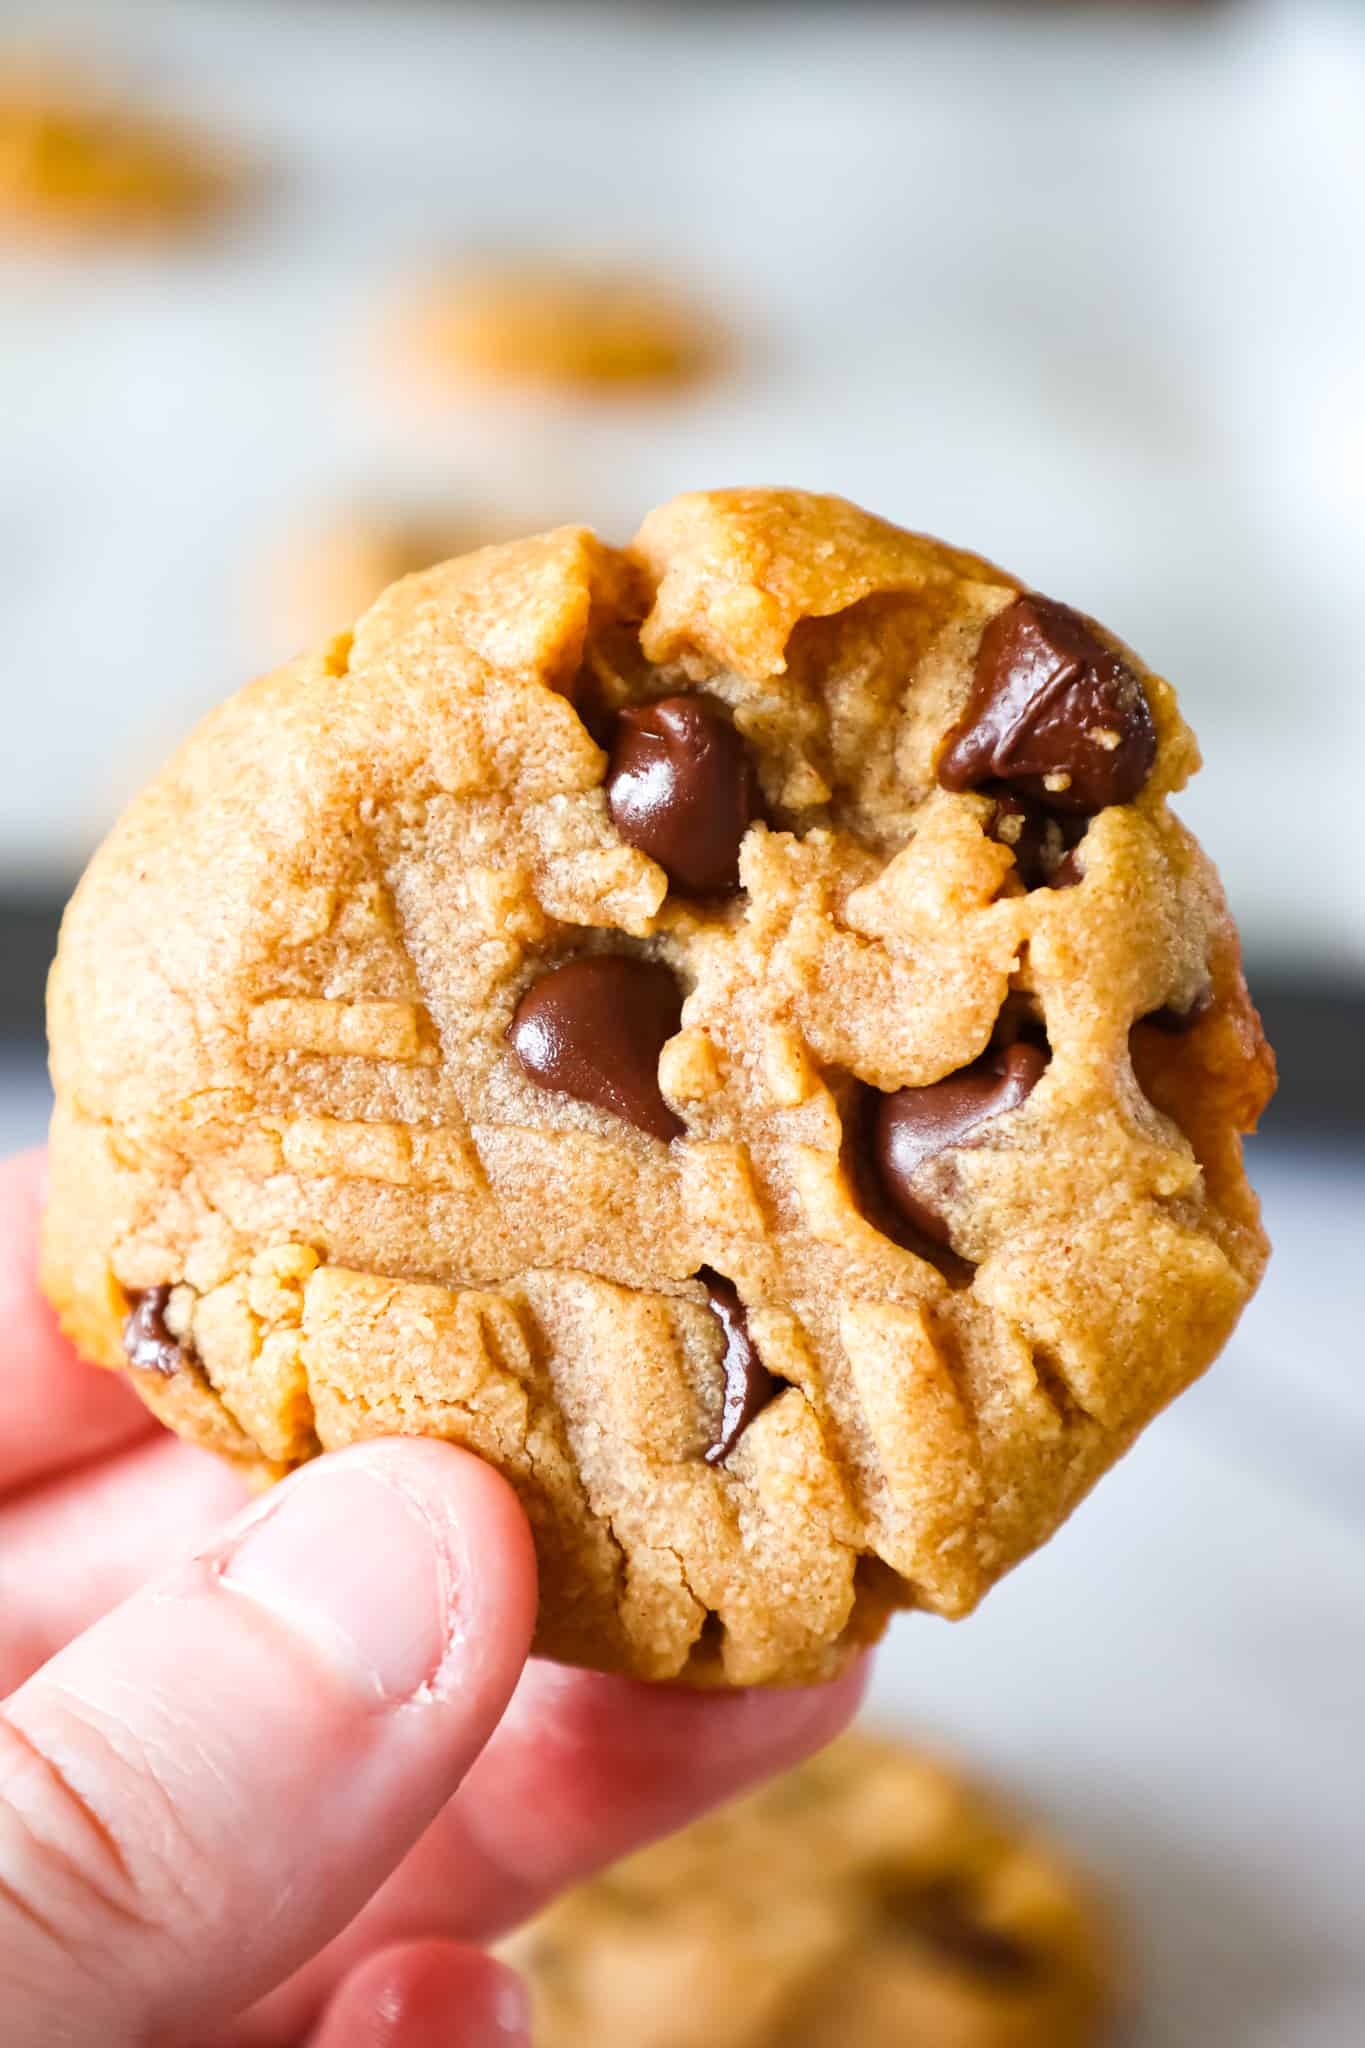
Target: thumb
{"x": 204, "y": 1788}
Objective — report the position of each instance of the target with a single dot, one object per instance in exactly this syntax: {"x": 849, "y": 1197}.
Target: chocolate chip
{"x": 595, "y": 1028}
{"x": 1054, "y": 714}
{"x": 681, "y": 787}
{"x": 749, "y": 1386}
{"x": 146, "y": 1339}
{"x": 1041, "y": 844}
{"x": 941, "y": 1918}
{"x": 913, "y": 1126}
{"x": 1175, "y": 1023}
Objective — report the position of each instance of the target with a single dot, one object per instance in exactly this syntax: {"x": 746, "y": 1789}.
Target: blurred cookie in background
{"x": 73, "y": 160}
{"x": 322, "y": 578}
{"x": 874, "y": 1896}
{"x": 560, "y": 326}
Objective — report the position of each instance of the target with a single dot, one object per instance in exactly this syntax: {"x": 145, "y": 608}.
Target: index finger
{"x": 55, "y": 1410}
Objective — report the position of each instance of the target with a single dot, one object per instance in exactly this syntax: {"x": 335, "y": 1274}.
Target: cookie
{"x": 325, "y": 578}
{"x": 557, "y": 326}
{"x": 872, "y": 1896}
{"x": 729, "y": 1030}
{"x": 70, "y": 162}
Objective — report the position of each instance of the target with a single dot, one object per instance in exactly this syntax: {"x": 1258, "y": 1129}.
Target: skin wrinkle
{"x": 188, "y": 1878}
{"x": 182, "y": 1767}
{"x": 90, "y": 1823}
{"x": 96, "y": 1936}
{"x": 12, "y": 1897}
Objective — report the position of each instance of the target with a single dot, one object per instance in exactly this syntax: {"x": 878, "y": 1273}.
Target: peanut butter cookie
{"x": 729, "y": 1029}
{"x": 872, "y": 1896}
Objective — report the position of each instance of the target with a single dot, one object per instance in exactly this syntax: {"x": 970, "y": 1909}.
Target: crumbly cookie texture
{"x": 556, "y": 325}
{"x": 71, "y": 162}
{"x": 872, "y": 1896}
{"x": 685, "y": 1023}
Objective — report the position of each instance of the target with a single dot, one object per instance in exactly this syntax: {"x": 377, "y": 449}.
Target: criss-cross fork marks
{"x": 331, "y": 1028}
{"x": 662, "y": 1547}
{"x": 588, "y": 1396}
{"x": 595, "y": 1401}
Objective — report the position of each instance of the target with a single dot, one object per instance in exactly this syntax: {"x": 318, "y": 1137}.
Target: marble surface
{"x": 1081, "y": 288}
{"x": 1177, "y": 1683}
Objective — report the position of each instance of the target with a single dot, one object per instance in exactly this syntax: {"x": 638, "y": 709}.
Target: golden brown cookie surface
{"x": 574, "y": 1017}
{"x": 872, "y": 1896}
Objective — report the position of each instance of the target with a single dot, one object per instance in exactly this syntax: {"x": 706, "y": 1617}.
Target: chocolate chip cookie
{"x": 872, "y": 1896}
{"x": 729, "y": 1029}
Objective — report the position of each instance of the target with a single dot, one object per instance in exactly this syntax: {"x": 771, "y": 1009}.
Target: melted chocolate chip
{"x": 940, "y": 1917}
{"x": 681, "y": 787}
{"x": 1041, "y": 844}
{"x": 1054, "y": 714}
{"x": 595, "y": 1028}
{"x": 749, "y": 1386}
{"x": 146, "y": 1339}
{"x": 915, "y": 1125}
{"x": 1175, "y": 1023}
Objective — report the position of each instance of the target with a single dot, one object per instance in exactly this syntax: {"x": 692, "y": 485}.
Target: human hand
{"x": 270, "y": 1793}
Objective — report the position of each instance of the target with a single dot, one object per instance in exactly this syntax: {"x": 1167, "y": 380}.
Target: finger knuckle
{"x": 65, "y": 1869}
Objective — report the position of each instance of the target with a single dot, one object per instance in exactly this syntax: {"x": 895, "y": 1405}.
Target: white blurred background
{"x": 1080, "y": 287}
{"x": 1083, "y": 289}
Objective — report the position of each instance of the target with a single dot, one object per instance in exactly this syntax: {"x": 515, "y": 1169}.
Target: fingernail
{"x": 351, "y": 1559}
{"x": 509, "y": 2009}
